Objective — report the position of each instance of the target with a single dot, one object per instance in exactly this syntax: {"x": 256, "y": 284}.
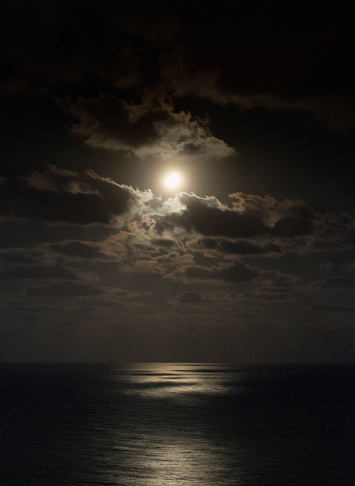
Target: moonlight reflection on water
{"x": 177, "y": 425}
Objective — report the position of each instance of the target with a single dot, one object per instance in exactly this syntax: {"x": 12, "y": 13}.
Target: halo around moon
{"x": 172, "y": 181}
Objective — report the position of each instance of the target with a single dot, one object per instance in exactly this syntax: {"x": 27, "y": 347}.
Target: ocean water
{"x": 177, "y": 425}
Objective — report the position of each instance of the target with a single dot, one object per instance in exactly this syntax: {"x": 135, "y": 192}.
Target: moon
{"x": 172, "y": 180}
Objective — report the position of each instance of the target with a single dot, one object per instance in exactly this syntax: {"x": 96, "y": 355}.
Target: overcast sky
{"x": 251, "y": 258}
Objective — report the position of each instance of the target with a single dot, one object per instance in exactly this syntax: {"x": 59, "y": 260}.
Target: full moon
{"x": 172, "y": 180}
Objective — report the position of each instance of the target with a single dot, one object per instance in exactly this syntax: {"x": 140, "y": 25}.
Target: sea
{"x": 174, "y": 424}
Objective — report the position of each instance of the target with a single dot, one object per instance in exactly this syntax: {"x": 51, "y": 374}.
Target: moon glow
{"x": 172, "y": 180}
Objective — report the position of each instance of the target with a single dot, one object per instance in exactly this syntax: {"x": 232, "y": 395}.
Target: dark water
{"x": 177, "y": 425}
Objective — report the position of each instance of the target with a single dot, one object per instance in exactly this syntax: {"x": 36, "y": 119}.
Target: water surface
{"x": 177, "y": 425}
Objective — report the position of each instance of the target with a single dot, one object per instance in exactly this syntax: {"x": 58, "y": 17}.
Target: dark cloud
{"x": 38, "y": 272}
{"x": 61, "y": 196}
{"x": 273, "y": 56}
{"x": 277, "y": 286}
{"x": 114, "y": 124}
{"x": 291, "y": 227}
{"x": 332, "y": 307}
{"x": 163, "y": 242}
{"x": 209, "y": 217}
{"x": 338, "y": 282}
{"x": 19, "y": 256}
{"x": 236, "y": 272}
{"x": 66, "y": 45}
{"x": 238, "y": 247}
{"x": 190, "y": 297}
{"x": 63, "y": 289}
{"x": 151, "y": 128}
{"x": 276, "y": 56}
{"x": 78, "y": 249}
{"x": 247, "y": 216}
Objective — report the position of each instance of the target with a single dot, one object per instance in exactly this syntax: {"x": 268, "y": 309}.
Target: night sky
{"x": 250, "y": 258}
